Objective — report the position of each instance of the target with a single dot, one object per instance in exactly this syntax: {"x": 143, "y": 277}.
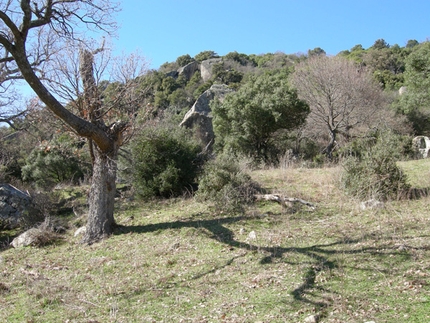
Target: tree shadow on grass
{"x": 318, "y": 255}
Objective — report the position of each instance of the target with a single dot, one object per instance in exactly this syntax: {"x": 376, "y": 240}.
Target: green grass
{"x": 177, "y": 261}
{"x": 418, "y": 172}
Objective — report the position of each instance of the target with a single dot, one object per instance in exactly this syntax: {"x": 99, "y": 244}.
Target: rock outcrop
{"x": 199, "y": 117}
{"x": 206, "y": 68}
{"x": 14, "y": 203}
{"x": 189, "y": 70}
{"x": 28, "y": 238}
{"x": 421, "y": 145}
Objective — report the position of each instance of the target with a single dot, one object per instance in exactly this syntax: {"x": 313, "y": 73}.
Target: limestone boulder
{"x": 28, "y": 238}
{"x": 188, "y": 70}
{"x": 421, "y": 146}
{"x": 14, "y": 204}
{"x": 206, "y": 68}
{"x": 371, "y": 204}
{"x": 199, "y": 117}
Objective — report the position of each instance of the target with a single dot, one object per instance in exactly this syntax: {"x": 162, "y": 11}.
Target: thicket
{"x": 165, "y": 162}
{"x": 61, "y": 160}
{"x": 224, "y": 184}
{"x": 370, "y": 169}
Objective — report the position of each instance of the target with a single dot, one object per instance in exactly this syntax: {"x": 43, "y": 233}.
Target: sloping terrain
{"x": 179, "y": 261}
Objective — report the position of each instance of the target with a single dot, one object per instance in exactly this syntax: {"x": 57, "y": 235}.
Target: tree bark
{"x": 102, "y": 196}
{"x": 330, "y": 147}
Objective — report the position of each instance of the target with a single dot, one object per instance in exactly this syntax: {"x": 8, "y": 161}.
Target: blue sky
{"x": 162, "y": 30}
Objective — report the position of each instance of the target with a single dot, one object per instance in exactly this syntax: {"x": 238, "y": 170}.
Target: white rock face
{"x": 206, "y": 68}
{"x": 28, "y": 238}
{"x": 199, "y": 117}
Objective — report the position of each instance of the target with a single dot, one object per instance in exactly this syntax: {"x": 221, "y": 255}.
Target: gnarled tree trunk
{"x": 102, "y": 196}
{"x": 103, "y": 183}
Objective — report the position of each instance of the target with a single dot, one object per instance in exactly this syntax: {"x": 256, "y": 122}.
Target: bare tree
{"x": 342, "y": 96}
{"x": 32, "y": 34}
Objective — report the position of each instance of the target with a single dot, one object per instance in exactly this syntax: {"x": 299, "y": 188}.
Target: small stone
{"x": 27, "y": 238}
{"x": 252, "y": 235}
{"x": 81, "y": 230}
{"x": 311, "y": 319}
{"x": 372, "y": 204}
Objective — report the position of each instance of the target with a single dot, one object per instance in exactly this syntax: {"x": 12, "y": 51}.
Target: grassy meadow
{"x": 180, "y": 261}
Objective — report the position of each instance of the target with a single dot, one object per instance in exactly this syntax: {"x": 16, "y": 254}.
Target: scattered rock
{"x": 371, "y": 204}
{"x": 311, "y": 319}
{"x": 252, "y": 235}
{"x": 80, "y": 231}
{"x": 14, "y": 203}
{"x": 29, "y": 237}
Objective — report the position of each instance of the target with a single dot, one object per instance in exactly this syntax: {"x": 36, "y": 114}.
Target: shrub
{"x": 164, "y": 162}
{"x": 373, "y": 172}
{"x": 226, "y": 185}
{"x": 54, "y": 163}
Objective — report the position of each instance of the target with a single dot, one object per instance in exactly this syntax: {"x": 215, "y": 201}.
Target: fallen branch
{"x": 283, "y": 200}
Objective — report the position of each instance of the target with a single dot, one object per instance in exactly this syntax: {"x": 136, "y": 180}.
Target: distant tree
{"x": 242, "y": 59}
{"x": 380, "y": 44}
{"x": 344, "y": 53}
{"x": 207, "y": 54}
{"x": 387, "y": 65}
{"x": 357, "y": 48}
{"x": 245, "y": 122}
{"x": 274, "y": 61}
{"x": 184, "y": 60}
{"x": 415, "y": 103}
{"x": 226, "y": 75}
{"x": 412, "y": 43}
{"x": 316, "y": 51}
{"x": 341, "y": 96}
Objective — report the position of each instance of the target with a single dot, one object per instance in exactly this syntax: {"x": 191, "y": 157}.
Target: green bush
{"x": 164, "y": 162}
{"x": 55, "y": 163}
{"x": 372, "y": 172}
{"x": 226, "y": 185}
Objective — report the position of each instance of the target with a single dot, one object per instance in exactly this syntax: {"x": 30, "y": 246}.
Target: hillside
{"x": 178, "y": 261}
